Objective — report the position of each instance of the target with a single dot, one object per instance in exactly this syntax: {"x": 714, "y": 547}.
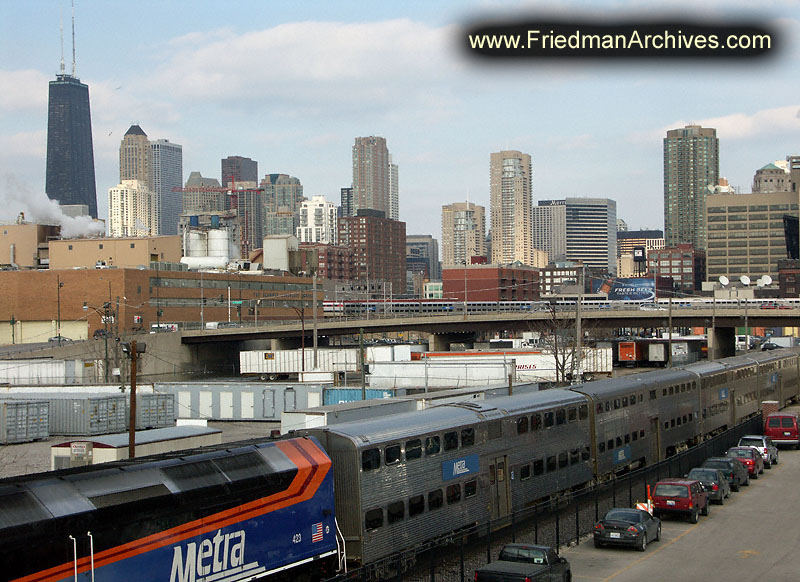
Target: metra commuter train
{"x": 298, "y": 508}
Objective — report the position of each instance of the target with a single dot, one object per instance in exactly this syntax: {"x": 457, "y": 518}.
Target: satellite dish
{"x": 744, "y": 279}
{"x": 723, "y": 280}
{"x": 766, "y": 280}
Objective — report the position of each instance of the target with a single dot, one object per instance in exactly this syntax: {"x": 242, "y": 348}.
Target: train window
{"x": 671, "y": 390}
{"x": 652, "y": 394}
{"x": 685, "y": 418}
{"x": 470, "y": 488}
{"x": 602, "y": 447}
{"x": 450, "y": 441}
{"x": 392, "y": 454}
{"x": 672, "y": 423}
{"x": 563, "y": 460}
{"x": 641, "y": 434}
{"x": 599, "y": 407}
{"x": 467, "y": 437}
{"x": 435, "y": 499}
{"x": 432, "y": 446}
{"x": 561, "y": 416}
{"x": 574, "y": 456}
{"x": 548, "y": 419}
{"x": 705, "y": 413}
{"x": 196, "y": 475}
{"x": 641, "y": 398}
{"x": 608, "y": 405}
{"x": 619, "y": 441}
{"x": 572, "y": 414}
{"x": 616, "y": 403}
{"x": 453, "y": 493}
{"x": 538, "y": 467}
{"x": 666, "y": 424}
{"x": 665, "y": 392}
{"x": 373, "y": 519}
{"x": 624, "y": 401}
{"x": 583, "y": 412}
{"x": 491, "y": 475}
{"x": 551, "y": 463}
{"x": 610, "y": 444}
{"x": 370, "y": 459}
{"x": 627, "y": 438}
{"x": 536, "y": 422}
{"x": 525, "y": 472}
{"x": 522, "y": 425}
{"x": 634, "y": 436}
{"x": 416, "y": 505}
{"x": 495, "y": 429}
{"x": 585, "y": 454}
{"x": 679, "y": 421}
{"x": 396, "y": 511}
{"x": 413, "y": 449}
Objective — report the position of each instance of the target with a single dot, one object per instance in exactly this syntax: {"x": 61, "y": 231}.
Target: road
{"x": 753, "y": 537}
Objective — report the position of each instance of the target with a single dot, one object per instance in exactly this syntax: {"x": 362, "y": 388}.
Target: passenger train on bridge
{"x": 304, "y": 506}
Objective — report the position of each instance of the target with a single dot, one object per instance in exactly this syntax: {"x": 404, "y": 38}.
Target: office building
{"x": 318, "y": 221}
{"x": 592, "y": 232}
{"x": 394, "y": 191}
{"x": 379, "y": 248}
{"x": 746, "y": 233}
{"x": 463, "y": 233}
{"x": 132, "y": 210}
{"x": 631, "y": 239}
{"x": 70, "y": 155}
{"x": 691, "y": 165}
{"x": 249, "y": 205}
{"x": 238, "y": 169}
{"x": 167, "y": 168}
{"x": 549, "y": 228}
{"x": 283, "y": 195}
{"x": 371, "y": 171}
{"x": 73, "y": 253}
{"x": 136, "y": 157}
{"x": 490, "y": 283}
{"x": 346, "y": 206}
{"x": 684, "y": 264}
{"x": 334, "y": 263}
{"x": 203, "y": 195}
{"x": 510, "y": 198}
{"x": 422, "y": 262}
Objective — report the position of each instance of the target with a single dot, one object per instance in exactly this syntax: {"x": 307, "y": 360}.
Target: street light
{"x": 59, "y": 285}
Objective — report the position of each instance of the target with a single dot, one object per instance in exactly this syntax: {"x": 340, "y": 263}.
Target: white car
{"x": 765, "y": 447}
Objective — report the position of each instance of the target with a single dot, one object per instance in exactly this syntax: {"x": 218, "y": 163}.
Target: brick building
{"x": 334, "y": 263}
{"x": 379, "y": 247}
{"x": 683, "y": 263}
{"x": 490, "y": 283}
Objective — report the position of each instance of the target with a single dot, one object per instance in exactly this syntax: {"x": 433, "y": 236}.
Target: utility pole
{"x": 134, "y": 355}
{"x": 669, "y": 330}
{"x": 59, "y": 284}
{"x": 362, "y": 362}
{"x": 314, "y": 298}
{"x": 576, "y": 359}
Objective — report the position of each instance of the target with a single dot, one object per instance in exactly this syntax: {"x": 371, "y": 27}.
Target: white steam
{"x": 15, "y": 197}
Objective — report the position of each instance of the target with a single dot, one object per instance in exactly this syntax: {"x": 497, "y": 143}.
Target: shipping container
{"x": 441, "y": 374}
{"x": 657, "y": 353}
{"x": 275, "y": 364}
{"x": 342, "y": 395}
{"x": 37, "y": 372}
{"x": 154, "y": 411}
{"x": 630, "y": 353}
{"x": 243, "y": 401}
{"x": 83, "y": 414}
{"x": 23, "y": 421}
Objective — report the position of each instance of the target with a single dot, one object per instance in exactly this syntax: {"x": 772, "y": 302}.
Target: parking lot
{"x": 754, "y": 536}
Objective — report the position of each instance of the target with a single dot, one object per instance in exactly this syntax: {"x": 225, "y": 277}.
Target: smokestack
{"x": 12, "y": 256}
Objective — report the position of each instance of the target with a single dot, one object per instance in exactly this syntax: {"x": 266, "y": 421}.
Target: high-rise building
{"x": 347, "y": 202}
{"x": 592, "y": 232}
{"x": 691, "y": 165}
{"x": 249, "y": 205}
{"x": 132, "y": 209}
{"x": 283, "y": 195}
{"x": 630, "y": 239}
{"x": 772, "y": 178}
{"x": 510, "y": 199}
{"x": 317, "y": 221}
{"x": 394, "y": 191}
{"x": 371, "y": 170}
{"x": 379, "y": 248}
{"x": 136, "y": 157}
{"x": 463, "y": 233}
{"x": 422, "y": 262}
{"x": 167, "y": 158}
{"x": 683, "y": 263}
{"x": 549, "y": 228}
{"x": 203, "y": 194}
{"x": 239, "y": 169}
{"x": 70, "y": 155}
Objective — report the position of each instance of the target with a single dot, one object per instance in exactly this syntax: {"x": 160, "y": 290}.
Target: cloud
{"x": 24, "y": 144}
{"x": 22, "y": 90}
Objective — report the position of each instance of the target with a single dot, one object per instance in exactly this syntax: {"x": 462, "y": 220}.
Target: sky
{"x": 291, "y": 84}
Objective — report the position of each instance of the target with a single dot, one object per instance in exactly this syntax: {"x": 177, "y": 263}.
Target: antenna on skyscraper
{"x": 73, "y": 38}
{"x": 61, "y": 30}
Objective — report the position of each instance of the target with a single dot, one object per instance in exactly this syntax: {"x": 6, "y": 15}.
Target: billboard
{"x": 627, "y": 289}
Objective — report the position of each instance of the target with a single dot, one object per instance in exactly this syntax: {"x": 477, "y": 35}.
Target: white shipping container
{"x": 35, "y": 372}
{"x": 440, "y": 374}
{"x": 278, "y": 362}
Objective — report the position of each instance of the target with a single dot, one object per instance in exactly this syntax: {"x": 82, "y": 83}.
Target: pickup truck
{"x": 525, "y": 563}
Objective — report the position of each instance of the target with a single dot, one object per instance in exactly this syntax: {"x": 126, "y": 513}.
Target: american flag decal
{"x": 316, "y": 533}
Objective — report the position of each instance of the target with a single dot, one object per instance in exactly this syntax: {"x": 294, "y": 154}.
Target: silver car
{"x": 765, "y": 447}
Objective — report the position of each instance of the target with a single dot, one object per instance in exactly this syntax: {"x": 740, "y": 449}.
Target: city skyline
{"x": 592, "y": 129}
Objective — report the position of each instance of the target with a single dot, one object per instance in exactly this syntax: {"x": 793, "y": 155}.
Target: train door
{"x": 655, "y": 440}
{"x": 500, "y": 498}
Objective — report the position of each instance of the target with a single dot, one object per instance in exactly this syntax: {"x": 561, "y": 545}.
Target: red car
{"x": 783, "y": 428}
{"x": 749, "y": 457}
{"x": 680, "y": 497}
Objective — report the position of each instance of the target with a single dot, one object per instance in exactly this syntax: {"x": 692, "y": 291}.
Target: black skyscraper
{"x": 70, "y": 156}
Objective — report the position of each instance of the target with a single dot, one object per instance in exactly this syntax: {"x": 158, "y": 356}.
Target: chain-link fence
{"x": 562, "y": 520}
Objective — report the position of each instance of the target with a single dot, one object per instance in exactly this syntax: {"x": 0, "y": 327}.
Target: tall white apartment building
{"x": 463, "y": 233}
{"x": 510, "y": 198}
{"x": 317, "y": 221}
{"x": 549, "y": 229}
{"x": 132, "y": 209}
{"x": 394, "y": 191}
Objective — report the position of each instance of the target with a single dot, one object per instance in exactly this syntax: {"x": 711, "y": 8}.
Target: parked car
{"x": 627, "y": 527}
{"x": 100, "y": 333}
{"x": 735, "y": 471}
{"x": 59, "y": 339}
{"x": 764, "y": 445}
{"x": 713, "y": 481}
{"x": 685, "y": 497}
{"x": 783, "y": 428}
{"x": 749, "y": 457}
{"x": 525, "y": 563}
{"x": 769, "y": 346}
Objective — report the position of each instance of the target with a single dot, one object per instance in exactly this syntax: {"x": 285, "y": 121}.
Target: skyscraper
{"x": 691, "y": 165}
{"x": 317, "y": 221}
{"x": 371, "y": 171}
{"x": 239, "y": 169}
{"x": 463, "y": 233}
{"x": 394, "y": 191}
{"x": 70, "y": 155}
{"x": 167, "y": 166}
{"x": 549, "y": 229}
{"x": 282, "y": 197}
{"x": 136, "y": 157}
{"x": 132, "y": 209}
{"x": 510, "y": 198}
{"x": 347, "y": 202}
